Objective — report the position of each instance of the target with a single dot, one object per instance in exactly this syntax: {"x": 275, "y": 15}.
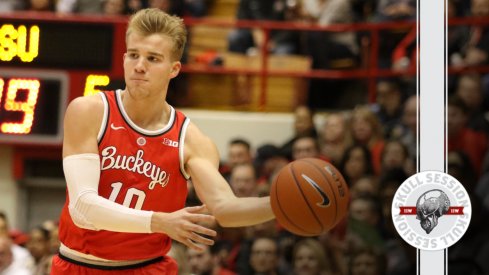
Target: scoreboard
{"x": 46, "y": 60}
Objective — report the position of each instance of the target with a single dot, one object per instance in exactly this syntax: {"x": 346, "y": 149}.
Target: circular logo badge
{"x": 431, "y": 210}
{"x": 141, "y": 141}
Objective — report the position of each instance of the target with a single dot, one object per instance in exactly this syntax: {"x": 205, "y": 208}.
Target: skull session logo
{"x": 431, "y": 210}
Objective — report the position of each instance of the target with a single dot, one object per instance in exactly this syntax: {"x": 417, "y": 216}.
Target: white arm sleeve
{"x": 89, "y": 210}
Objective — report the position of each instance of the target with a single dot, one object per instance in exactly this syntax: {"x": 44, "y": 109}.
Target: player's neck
{"x": 148, "y": 113}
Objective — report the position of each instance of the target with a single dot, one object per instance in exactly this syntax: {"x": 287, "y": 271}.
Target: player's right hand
{"x": 185, "y": 226}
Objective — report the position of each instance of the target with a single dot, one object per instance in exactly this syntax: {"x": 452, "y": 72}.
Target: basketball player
{"x": 127, "y": 156}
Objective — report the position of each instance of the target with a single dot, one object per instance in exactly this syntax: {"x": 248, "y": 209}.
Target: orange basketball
{"x": 309, "y": 197}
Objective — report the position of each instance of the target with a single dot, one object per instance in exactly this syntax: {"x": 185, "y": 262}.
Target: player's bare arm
{"x": 81, "y": 125}
{"x": 201, "y": 162}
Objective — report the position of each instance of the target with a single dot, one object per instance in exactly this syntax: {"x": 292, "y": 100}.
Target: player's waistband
{"x": 108, "y": 265}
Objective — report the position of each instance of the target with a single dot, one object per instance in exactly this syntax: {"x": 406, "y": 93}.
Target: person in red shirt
{"x": 127, "y": 156}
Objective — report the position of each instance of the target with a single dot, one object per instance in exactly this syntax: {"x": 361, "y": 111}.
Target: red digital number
{"x": 12, "y": 104}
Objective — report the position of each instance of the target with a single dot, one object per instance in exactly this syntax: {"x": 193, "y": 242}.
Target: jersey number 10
{"x": 131, "y": 193}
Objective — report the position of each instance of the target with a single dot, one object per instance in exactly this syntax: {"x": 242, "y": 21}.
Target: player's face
{"x": 148, "y": 64}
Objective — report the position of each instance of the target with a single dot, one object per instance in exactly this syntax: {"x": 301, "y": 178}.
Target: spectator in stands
{"x": 395, "y": 10}
{"x": 243, "y": 180}
{"x": 391, "y": 10}
{"x": 196, "y": 8}
{"x": 335, "y": 137}
{"x": 475, "y": 50}
{"x": 268, "y": 161}
{"x": 309, "y": 258}
{"x": 7, "y": 264}
{"x": 363, "y": 10}
{"x": 182, "y": 8}
{"x": 388, "y": 107}
{"x": 365, "y": 186}
{"x": 469, "y": 89}
{"x": 281, "y": 41}
{"x": 401, "y": 257}
{"x": 179, "y": 253}
{"x": 389, "y": 182}
{"x": 135, "y": 5}
{"x": 264, "y": 257}
{"x": 341, "y": 47}
{"x": 164, "y": 5}
{"x": 10, "y": 5}
{"x": 264, "y": 230}
{"x": 456, "y": 34}
{"x": 114, "y": 7}
{"x": 40, "y": 5}
{"x": 461, "y": 168}
{"x": 306, "y": 147}
{"x": 364, "y": 221}
{"x": 462, "y": 138}
{"x": 303, "y": 126}
{"x": 205, "y": 262}
{"x": 39, "y": 247}
{"x": 22, "y": 259}
{"x": 367, "y": 261}
{"x": 52, "y": 227}
{"x": 404, "y": 55}
{"x": 355, "y": 164}
{"x": 79, "y": 6}
{"x": 3, "y": 225}
{"x": 406, "y": 131}
{"x": 239, "y": 152}
{"x": 367, "y": 130}
{"x": 396, "y": 155}
{"x": 329, "y": 50}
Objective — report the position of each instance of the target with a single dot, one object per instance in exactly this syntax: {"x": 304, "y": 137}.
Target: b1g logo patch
{"x": 431, "y": 210}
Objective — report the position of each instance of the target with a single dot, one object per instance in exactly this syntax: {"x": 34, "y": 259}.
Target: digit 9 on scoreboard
{"x": 32, "y": 105}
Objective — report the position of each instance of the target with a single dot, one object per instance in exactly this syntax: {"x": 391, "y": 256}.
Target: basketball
{"x": 309, "y": 197}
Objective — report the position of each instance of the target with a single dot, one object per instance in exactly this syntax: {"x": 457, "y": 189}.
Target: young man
{"x": 127, "y": 156}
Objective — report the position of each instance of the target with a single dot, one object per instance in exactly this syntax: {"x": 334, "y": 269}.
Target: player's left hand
{"x": 185, "y": 226}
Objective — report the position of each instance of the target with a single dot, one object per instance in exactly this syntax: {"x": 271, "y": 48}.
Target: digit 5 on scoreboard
{"x": 32, "y": 104}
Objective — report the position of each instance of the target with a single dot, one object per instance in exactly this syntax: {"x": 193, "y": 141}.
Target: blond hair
{"x": 155, "y": 21}
{"x": 364, "y": 112}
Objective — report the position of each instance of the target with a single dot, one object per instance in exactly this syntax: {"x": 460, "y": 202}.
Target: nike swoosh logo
{"x": 117, "y": 127}
{"x": 325, "y": 201}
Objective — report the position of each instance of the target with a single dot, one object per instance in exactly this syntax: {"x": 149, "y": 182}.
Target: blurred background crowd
{"x": 372, "y": 144}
